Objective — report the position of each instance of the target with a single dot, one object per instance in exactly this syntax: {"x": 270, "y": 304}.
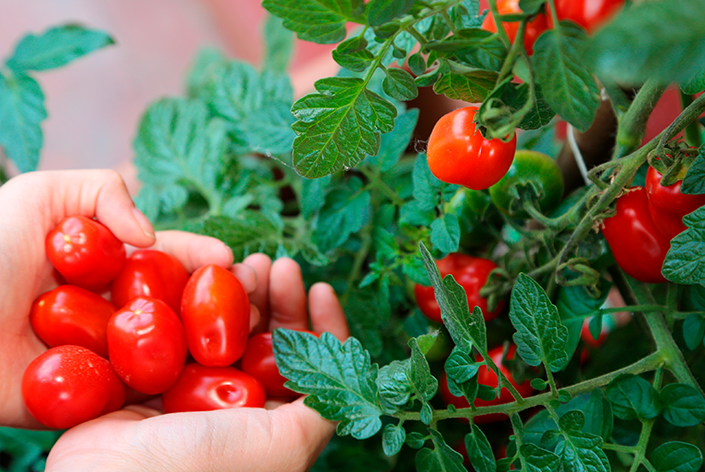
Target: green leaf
{"x": 319, "y": 21}
{"x": 474, "y": 48}
{"x": 694, "y": 330}
{"x": 632, "y": 397}
{"x": 685, "y": 260}
{"x": 368, "y": 313}
{"x": 460, "y": 366}
{"x": 694, "y": 181}
{"x": 21, "y": 113}
{"x": 660, "y": 55}
{"x": 394, "y": 383}
{"x": 538, "y": 459}
{"x": 569, "y": 88}
{"x": 279, "y": 44}
{"x": 415, "y": 440}
{"x": 465, "y": 14}
{"x": 442, "y": 458}
{"x": 574, "y": 305}
{"x": 445, "y": 233}
{"x": 426, "y": 185}
{"x": 347, "y": 209}
{"x": 531, "y": 6}
{"x": 580, "y": 451}
{"x": 380, "y": 12}
{"x": 339, "y": 126}
{"x": 676, "y": 456}
{"x": 422, "y": 381}
{"x": 399, "y": 84}
{"x": 479, "y": 450}
{"x": 472, "y": 87}
{"x": 682, "y": 405}
{"x": 426, "y": 414}
{"x": 353, "y": 54}
{"x": 467, "y": 329}
{"x": 338, "y": 379}
{"x": 395, "y": 142}
{"x": 56, "y": 47}
{"x": 694, "y": 83}
{"x": 540, "y": 336}
{"x": 393, "y": 438}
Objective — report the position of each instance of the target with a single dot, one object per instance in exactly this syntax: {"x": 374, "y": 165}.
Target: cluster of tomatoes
{"x": 163, "y": 331}
{"x": 646, "y": 220}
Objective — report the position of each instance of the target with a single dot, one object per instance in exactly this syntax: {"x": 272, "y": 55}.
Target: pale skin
{"x": 284, "y": 437}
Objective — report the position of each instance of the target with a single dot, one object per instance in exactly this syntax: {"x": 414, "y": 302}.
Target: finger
{"x": 326, "y": 313}
{"x": 246, "y": 275}
{"x": 194, "y": 250}
{"x": 254, "y": 317}
{"x": 261, "y": 264}
{"x": 287, "y": 296}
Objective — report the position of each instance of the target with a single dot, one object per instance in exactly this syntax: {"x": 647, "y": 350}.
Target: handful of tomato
{"x": 159, "y": 316}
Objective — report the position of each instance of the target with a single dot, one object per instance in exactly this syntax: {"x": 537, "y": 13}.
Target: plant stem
{"x": 687, "y": 116}
{"x": 692, "y": 131}
{"x": 500, "y": 24}
{"x": 505, "y": 381}
{"x": 632, "y": 309}
{"x": 632, "y": 125}
{"x": 513, "y": 54}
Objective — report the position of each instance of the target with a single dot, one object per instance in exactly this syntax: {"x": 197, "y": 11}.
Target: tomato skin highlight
{"x": 72, "y": 315}
{"x": 668, "y": 206}
{"x": 459, "y": 154}
{"x": 215, "y": 311}
{"x": 68, "y": 385}
{"x": 85, "y": 252}
{"x": 486, "y": 376}
{"x": 590, "y": 14}
{"x": 471, "y": 273}
{"x": 201, "y": 388}
{"x": 533, "y": 29}
{"x": 147, "y": 345}
{"x": 637, "y": 245}
{"x": 149, "y": 273}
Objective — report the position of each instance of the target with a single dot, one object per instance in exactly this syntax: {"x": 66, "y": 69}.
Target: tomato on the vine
{"x": 533, "y": 30}
{"x": 201, "y": 388}
{"x": 85, "y": 252}
{"x": 68, "y": 385}
{"x": 147, "y": 345}
{"x": 72, "y": 315}
{"x": 215, "y": 311}
{"x": 488, "y": 377}
{"x": 459, "y": 154}
{"x": 590, "y": 14}
{"x": 637, "y": 245}
{"x": 668, "y": 206}
{"x": 532, "y": 177}
{"x": 153, "y": 274}
{"x": 471, "y": 273}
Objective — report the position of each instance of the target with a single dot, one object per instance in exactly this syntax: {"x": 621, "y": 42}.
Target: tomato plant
{"x": 147, "y": 345}
{"x": 85, "y": 252}
{"x": 68, "y": 385}
{"x": 215, "y": 312}
{"x": 72, "y": 315}
{"x": 667, "y": 205}
{"x": 153, "y": 274}
{"x": 201, "y": 388}
{"x": 533, "y": 28}
{"x": 459, "y": 154}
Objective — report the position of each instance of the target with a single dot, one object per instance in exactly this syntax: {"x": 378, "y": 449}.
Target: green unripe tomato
{"x": 532, "y": 176}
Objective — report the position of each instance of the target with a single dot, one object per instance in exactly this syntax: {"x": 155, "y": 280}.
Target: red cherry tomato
{"x": 147, "y": 345}
{"x": 533, "y": 29}
{"x": 68, "y": 385}
{"x": 668, "y": 206}
{"x": 85, "y": 252}
{"x": 590, "y": 14}
{"x": 258, "y": 361}
{"x": 486, "y": 376}
{"x": 459, "y": 154}
{"x": 72, "y": 315}
{"x": 215, "y": 311}
{"x": 153, "y": 274}
{"x": 471, "y": 273}
{"x": 201, "y": 388}
{"x": 637, "y": 245}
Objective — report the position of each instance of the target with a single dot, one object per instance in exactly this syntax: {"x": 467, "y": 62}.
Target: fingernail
{"x": 144, "y": 223}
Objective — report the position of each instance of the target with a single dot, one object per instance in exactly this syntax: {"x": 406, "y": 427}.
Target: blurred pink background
{"x": 95, "y": 103}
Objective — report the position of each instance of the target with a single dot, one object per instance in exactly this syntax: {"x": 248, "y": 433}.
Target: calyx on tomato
{"x": 533, "y": 30}
{"x": 533, "y": 176}
{"x": 471, "y": 273}
{"x": 637, "y": 245}
{"x": 459, "y": 154}
{"x": 668, "y": 206}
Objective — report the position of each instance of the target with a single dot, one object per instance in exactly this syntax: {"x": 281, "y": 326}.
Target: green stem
{"x": 449, "y": 22}
{"x": 514, "y": 51}
{"x": 500, "y": 24}
{"x": 377, "y": 182}
{"x": 552, "y": 383}
{"x": 671, "y": 304}
{"x": 632, "y": 124}
{"x": 360, "y": 258}
{"x": 505, "y": 381}
{"x": 687, "y": 116}
{"x": 619, "y": 448}
{"x": 518, "y": 428}
{"x": 692, "y": 131}
{"x": 647, "y": 426}
{"x": 632, "y": 309}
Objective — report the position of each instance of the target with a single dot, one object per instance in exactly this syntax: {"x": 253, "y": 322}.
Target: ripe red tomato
{"x": 459, "y": 154}
{"x": 590, "y": 14}
{"x": 147, "y": 345}
{"x": 85, "y": 252}
{"x": 72, "y": 315}
{"x": 471, "y": 273}
{"x": 68, "y": 385}
{"x": 533, "y": 29}
{"x": 637, "y": 245}
{"x": 258, "y": 361}
{"x": 153, "y": 274}
{"x": 486, "y": 376}
{"x": 215, "y": 311}
{"x": 668, "y": 206}
{"x": 201, "y": 388}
